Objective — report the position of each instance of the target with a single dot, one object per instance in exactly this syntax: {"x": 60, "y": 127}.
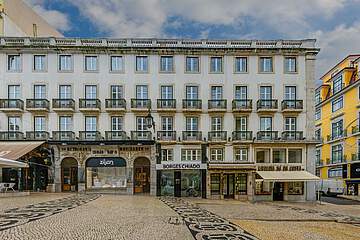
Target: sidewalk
{"x": 350, "y": 197}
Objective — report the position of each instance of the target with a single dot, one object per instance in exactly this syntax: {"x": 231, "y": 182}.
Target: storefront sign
{"x": 165, "y": 166}
{"x": 355, "y": 170}
{"x": 105, "y": 162}
{"x": 279, "y": 168}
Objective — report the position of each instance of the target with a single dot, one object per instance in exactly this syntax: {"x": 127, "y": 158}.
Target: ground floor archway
{"x": 141, "y": 175}
{"x": 69, "y": 174}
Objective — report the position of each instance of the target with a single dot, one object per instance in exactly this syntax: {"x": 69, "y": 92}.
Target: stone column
{"x": 130, "y": 180}
{"x": 81, "y": 178}
{"x": 250, "y": 186}
{"x": 57, "y": 177}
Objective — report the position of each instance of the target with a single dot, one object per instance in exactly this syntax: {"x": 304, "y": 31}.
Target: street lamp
{"x": 149, "y": 119}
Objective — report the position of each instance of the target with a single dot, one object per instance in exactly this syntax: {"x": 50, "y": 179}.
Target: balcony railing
{"x": 115, "y": 135}
{"x": 267, "y": 135}
{"x": 215, "y": 136}
{"x": 11, "y": 135}
{"x": 166, "y": 103}
{"x": 242, "y": 104}
{"x": 63, "y": 103}
{"x": 63, "y": 136}
{"x": 141, "y": 135}
{"x": 115, "y": 103}
{"x": 242, "y": 135}
{"x": 192, "y": 104}
{"x": 339, "y": 159}
{"x": 37, "y": 135}
{"x": 217, "y": 104}
{"x": 332, "y": 137}
{"x": 268, "y": 104}
{"x": 292, "y": 135}
{"x": 90, "y": 136}
{"x": 38, "y": 104}
{"x": 191, "y": 136}
{"x": 11, "y": 103}
{"x": 292, "y": 105}
{"x": 140, "y": 103}
{"x": 89, "y": 103}
{"x": 166, "y": 135}
{"x": 355, "y": 129}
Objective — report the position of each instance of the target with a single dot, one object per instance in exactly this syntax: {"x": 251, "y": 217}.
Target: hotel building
{"x": 206, "y": 118}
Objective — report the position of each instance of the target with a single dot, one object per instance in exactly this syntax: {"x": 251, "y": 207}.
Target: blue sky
{"x": 334, "y": 23}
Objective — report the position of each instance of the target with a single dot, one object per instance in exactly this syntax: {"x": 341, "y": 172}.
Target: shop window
{"x": 215, "y": 184}
{"x": 241, "y": 184}
{"x": 295, "y": 188}
{"x": 263, "y": 156}
{"x": 167, "y": 183}
{"x": 335, "y": 172}
{"x": 106, "y": 177}
{"x": 263, "y": 188}
{"x": 190, "y": 183}
{"x": 295, "y": 156}
{"x": 279, "y": 155}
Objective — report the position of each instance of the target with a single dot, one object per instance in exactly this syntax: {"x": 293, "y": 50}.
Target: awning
{"x": 287, "y": 176}
{"x": 15, "y": 150}
{"x": 7, "y": 163}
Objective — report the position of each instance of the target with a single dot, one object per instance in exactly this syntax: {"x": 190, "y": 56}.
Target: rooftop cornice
{"x": 142, "y": 43}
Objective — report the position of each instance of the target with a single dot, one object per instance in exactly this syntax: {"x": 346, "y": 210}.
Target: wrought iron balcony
{"x": 37, "y": 135}
{"x": 37, "y": 104}
{"x": 267, "y": 135}
{"x": 192, "y": 104}
{"x": 217, "y": 136}
{"x": 63, "y": 104}
{"x": 242, "y": 135}
{"x": 115, "y": 104}
{"x": 242, "y": 105}
{"x": 7, "y": 104}
{"x": 63, "y": 136}
{"x": 140, "y": 103}
{"x": 268, "y": 104}
{"x": 166, "y": 135}
{"x": 11, "y": 135}
{"x": 341, "y": 134}
{"x": 292, "y": 105}
{"x": 217, "y": 104}
{"x": 90, "y": 136}
{"x": 141, "y": 135}
{"x": 338, "y": 159}
{"x": 89, "y": 104}
{"x": 166, "y": 104}
{"x": 191, "y": 136}
{"x": 292, "y": 135}
{"x": 115, "y": 135}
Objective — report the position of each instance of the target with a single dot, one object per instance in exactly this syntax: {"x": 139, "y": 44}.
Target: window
{"x": 14, "y": 92}
{"x": 215, "y": 183}
{"x": 318, "y": 157}
{"x": 335, "y": 172}
{"x": 216, "y": 154}
{"x": 65, "y": 63}
{"x": 318, "y": 96}
{"x": 65, "y": 123}
{"x": 39, "y": 123}
{"x": 266, "y": 65}
{"x": 141, "y": 124}
{"x": 241, "y": 92}
{"x": 167, "y": 123}
{"x": 240, "y": 65}
{"x": 294, "y": 155}
{"x": 290, "y": 65}
{"x": 90, "y": 92}
{"x": 337, "y": 129}
{"x": 192, "y": 64}
{"x": 241, "y": 154}
{"x": 262, "y": 188}
{"x": 337, "y": 104}
{"x": 279, "y": 155}
{"x": 116, "y": 64}
{"x": 39, "y": 63}
{"x": 241, "y": 183}
{"x": 337, "y": 85}
{"x": 117, "y": 123}
{"x": 265, "y": 92}
{"x": 167, "y": 92}
{"x": 317, "y": 114}
{"x": 192, "y": 92}
{"x": 290, "y": 93}
{"x": 216, "y": 124}
{"x": 90, "y": 123}
{"x": 241, "y": 123}
{"x": 14, "y": 63}
{"x": 192, "y": 123}
{"x": 265, "y": 123}
{"x": 290, "y": 124}
{"x": 318, "y": 134}
{"x": 216, "y": 64}
{"x": 91, "y": 63}
{"x": 39, "y": 91}
{"x": 167, "y": 64}
{"x": 116, "y": 92}
{"x": 65, "y": 92}
{"x": 295, "y": 188}
{"x": 14, "y": 123}
{"x": 167, "y": 155}
{"x": 216, "y": 93}
{"x": 337, "y": 153}
{"x": 142, "y": 92}
{"x": 188, "y": 155}
{"x": 142, "y": 64}
{"x": 262, "y": 155}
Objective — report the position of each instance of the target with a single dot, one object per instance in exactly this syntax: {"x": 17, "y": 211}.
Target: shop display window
{"x": 167, "y": 183}
{"x": 263, "y": 188}
{"x": 190, "y": 183}
{"x": 279, "y": 156}
{"x": 296, "y": 188}
{"x": 263, "y": 156}
{"x": 215, "y": 184}
{"x": 106, "y": 177}
{"x": 241, "y": 184}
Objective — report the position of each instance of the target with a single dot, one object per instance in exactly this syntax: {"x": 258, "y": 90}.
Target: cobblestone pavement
{"x": 204, "y": 224}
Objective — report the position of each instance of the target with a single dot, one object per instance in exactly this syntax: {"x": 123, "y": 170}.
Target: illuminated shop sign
{"x": 166, "y": 166}
{"x": 279, "y": 168}
{"x": 106, "y": 162}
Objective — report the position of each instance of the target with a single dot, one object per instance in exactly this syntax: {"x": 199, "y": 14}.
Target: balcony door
{"x": 65, "y": 92}
{"x": 265, "y": 93}
{"x": 90, "y": 92}
{"x": 142, "y": 92}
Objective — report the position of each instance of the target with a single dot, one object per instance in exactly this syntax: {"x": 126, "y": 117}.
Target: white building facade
{"x": 217, "y": 119}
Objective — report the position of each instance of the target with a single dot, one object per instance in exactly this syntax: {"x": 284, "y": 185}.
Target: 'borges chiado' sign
{"x": 181, "y": 166}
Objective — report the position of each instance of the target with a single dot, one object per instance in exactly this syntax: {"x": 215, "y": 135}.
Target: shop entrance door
{"x": 69, "y": 175}
{"x": 278, "y": 191}
{"x": 229, "y": 185}
{"x": 177, "y": 184}
{"x": 142, "y": 175}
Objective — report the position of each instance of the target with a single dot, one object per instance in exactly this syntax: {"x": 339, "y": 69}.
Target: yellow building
{"x": 337, "y": 124}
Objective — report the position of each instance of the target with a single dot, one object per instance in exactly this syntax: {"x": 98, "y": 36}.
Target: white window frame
{"x": 216, "y": 64}
{"x": 14, "y": 65}
{"x": 216, "y": 154}
{"x": 241, "y": 154}
{"x": 91, "y": 63}
{"x": 39, "y": 66}
{"x": 141, "y": 64}
{"x": 167, "y": 64}
{"x": 240, "y": 66}
{"x": 266, "y": 64}
{"x": 194, "y": 66}
{"x": 191, "y": 155}
{"x": 65, "y": 63}
{"x": 290, "y": 67}
{"x": 117, "y": 66}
